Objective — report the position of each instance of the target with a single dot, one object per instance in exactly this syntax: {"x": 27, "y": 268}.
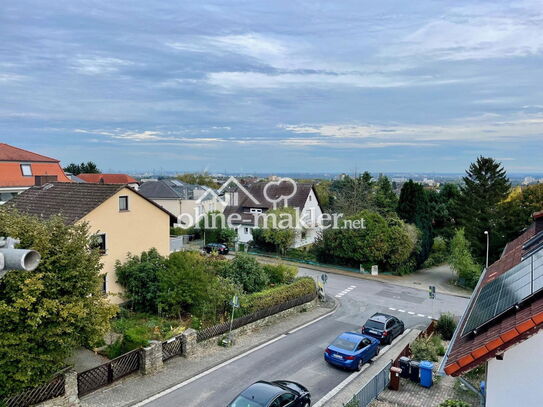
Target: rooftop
{"x": 11, "y": 153}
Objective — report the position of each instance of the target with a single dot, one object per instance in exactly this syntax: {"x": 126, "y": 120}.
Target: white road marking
{"x": 401, "y": 310}
{"x": 410, "y": 312}
{"x": 392, "y": 309}
{"x": 420, "y": 315}
{"x": 429, "y": 316}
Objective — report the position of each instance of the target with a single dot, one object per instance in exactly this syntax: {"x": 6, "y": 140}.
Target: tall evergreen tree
{"x": 413, "y": 207}
{"x": 385, "y": 200}
{"x": 84, "y": 168}
{"x": 485, "y": 186}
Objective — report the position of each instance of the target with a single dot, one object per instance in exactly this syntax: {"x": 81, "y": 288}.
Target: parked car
{"x": 280, "y": 393}
{"x": 351, "y": 350}
{"x": 216, "y": 247}
{"x": 383, "y": 327}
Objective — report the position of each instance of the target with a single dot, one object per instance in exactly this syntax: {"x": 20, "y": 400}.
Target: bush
{"x": 277, "y": 295}
{"x": 300, "y": 254}
{"x": 176, "y": 231}
{"x": 280, "y": 273}
{"x": 438, "y": 255}
{"x": 454, "y": 403}
{"x": 427, "y": 348}
{"x": 246, "y": 272}
{"x": 446, "y": 325}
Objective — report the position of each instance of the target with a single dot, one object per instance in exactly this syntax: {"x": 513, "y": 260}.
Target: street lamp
{"x": 16, "y": 259}
{"x": 487, "y": 246}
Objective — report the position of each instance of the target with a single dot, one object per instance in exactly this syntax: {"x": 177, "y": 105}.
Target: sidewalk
{"x": 136, "y": 388}
{"x": 438, "y": 276}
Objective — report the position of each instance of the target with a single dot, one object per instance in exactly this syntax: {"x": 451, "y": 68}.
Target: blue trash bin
{"x": 426, "y": 379}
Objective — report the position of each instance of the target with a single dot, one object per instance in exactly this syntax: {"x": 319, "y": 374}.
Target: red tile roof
{"x": 467, "y": 352}
{"x": 108, "y": 178}
{"x": 10, "y": 153}
{"x": 11, "y": 174}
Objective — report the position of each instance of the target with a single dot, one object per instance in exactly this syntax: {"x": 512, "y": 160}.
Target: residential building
{"x": 122, "y": 220}
{"x": 246, "y": 208}
{"x": 20, "y": 169}
{"x": 110, "y": 179}
{"x": 186, "y": 201}
{"x": 502, "y": 325}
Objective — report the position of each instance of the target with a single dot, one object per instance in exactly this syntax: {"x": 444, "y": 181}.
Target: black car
{"x": 216, "y": 247}
{"x": 280, "y": 393}
{"x": 383, "y": 327}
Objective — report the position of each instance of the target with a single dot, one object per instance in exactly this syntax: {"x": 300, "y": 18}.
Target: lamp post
{"x": 487, "y": 246}
{"x": 16, "y": 259}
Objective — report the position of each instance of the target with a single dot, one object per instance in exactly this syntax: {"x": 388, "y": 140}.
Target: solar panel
{"x": 506, "y": 291}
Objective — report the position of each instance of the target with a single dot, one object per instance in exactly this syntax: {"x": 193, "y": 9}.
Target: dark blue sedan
{"x": 351, "y": 350}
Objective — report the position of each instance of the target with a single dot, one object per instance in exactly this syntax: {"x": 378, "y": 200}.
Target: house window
{"x": 123, "y": 203}
{"x": 304, "y": 235}
{"x": 255, "y": 210}
{"x": 104, "y": 283}
{"x": 99, "y": 242}
{"x": 246, "y": 231}
{"x": 26, "y": 169}
{"x": 309, "y": 198}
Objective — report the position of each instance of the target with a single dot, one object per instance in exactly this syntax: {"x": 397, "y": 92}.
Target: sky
{"x": 274, "y": 86}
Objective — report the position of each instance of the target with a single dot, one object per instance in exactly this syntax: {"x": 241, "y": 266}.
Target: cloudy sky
{"x": 274, "y": 85}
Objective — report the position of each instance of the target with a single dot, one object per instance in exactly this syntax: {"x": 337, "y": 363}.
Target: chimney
{"x": 538, "y": 220}
{"x": 40, "y": 180}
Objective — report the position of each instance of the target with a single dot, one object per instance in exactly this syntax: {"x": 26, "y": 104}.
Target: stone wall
{"x": 70, "y": 398}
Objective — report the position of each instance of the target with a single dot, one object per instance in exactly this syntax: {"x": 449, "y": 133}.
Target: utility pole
{"x": 487, "y": 246}
{"x": 16, "y": 259}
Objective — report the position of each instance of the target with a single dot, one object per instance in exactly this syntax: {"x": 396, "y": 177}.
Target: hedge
{"x": 277, "y": 295}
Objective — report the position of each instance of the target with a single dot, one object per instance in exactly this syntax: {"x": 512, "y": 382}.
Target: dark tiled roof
{"x": 10, "y": 153}
{"x": 72, "y": 201}
{"x": 467, "y": 352}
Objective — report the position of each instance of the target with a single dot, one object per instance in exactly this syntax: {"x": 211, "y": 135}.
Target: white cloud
{"x": 99, "y": 65}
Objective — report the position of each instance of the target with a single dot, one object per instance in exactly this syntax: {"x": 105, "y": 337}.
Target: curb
{"x": 357, "y": 275}
{"x": 248, "y": 351}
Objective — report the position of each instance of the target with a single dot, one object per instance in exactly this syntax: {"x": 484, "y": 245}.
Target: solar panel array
{"x": 506, "y": 291}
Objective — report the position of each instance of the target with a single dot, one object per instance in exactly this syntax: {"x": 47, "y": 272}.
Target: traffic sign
{"x": 235, "y": 302}
{"x": 324, "y": 277}
{"x": 432, "y": 292}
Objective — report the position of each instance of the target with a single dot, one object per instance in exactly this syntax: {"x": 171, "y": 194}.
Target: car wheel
{"x": 378, "y": 350}
{"x": 307, "y": 404}
{"x": 359, "y": 365}
{"x": 403, "y": 330}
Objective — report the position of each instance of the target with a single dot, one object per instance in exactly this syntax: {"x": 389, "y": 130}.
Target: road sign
{"x": 324, "y": 278}
{"x": 432, "y": 292}
{"x": 235, "y": 302}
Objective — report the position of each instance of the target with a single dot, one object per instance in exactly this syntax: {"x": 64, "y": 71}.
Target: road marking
{"x": 352, "y": 376}
{"x": 226, "y": 363}
{"x": 410, "y": 312}
{"x": 429, "y": 316}
{"x": 392, "y": 309}
{"x": 401, "y": 310}
{"x": 420, "y": 315}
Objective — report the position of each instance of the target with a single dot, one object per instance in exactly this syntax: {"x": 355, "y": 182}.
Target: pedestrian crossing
{"x": 410, "y": 313}
{"x": 346, "y": 291}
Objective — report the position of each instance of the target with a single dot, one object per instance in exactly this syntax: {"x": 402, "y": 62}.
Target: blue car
{"x": 351, "y": 350}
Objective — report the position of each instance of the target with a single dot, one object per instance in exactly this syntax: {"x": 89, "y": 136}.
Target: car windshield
{"x": 244, "y": 402}
{"x": 343, "y": 343}
{"x": 375, "y": 325}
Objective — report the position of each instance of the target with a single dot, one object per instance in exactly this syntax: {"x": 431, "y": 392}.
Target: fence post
{"x": 151, "y": 358}
{"x": 190, "y": 337}
{"x": 70, "y": 388}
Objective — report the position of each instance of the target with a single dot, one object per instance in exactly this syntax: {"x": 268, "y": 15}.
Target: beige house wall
{"x": 142, "y": 227}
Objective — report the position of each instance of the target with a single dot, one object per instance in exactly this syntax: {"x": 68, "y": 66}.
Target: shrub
{"x": 277, "y": 295}
{"x": 438, "y": 255}
{"x": 454, "y": 403}
{"x": 300, "y": 254}
{"x": 246, "y": 272}
{"x": 446, "y": 326}
{"x": 280, "y": 273}
{"x": 426, "y": 348}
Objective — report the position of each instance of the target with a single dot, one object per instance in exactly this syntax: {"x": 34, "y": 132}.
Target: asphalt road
{"x": 299, "y": 356}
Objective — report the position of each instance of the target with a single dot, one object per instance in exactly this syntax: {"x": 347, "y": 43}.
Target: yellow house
{"x": 121, "y": 220}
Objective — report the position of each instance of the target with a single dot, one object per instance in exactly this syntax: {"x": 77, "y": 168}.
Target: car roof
{"x": 262, "y": 392}
{"x": 379, "y": 317}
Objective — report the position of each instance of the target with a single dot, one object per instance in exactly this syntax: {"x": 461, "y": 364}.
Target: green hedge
{"x": 277, "y": 295}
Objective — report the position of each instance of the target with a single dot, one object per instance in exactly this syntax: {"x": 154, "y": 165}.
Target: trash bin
{"x": 404, "y": 365}
{"x": 394, "y": 383}
{"x": 426, "y": 379}
{"x": 414, "y": 374}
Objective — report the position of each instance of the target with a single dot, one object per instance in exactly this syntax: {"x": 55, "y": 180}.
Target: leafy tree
{"x": 444, "y": 210}
{"x": 322, "y": 190}
{"x": 83, "y": 168}
{"x": 485, "y": 186}
{"x": 46, "y": 313}
{"x": 351, "y": 195}
{"x": 216, "y": 230}
{"x": 139, "y": 275}
{"x": 413, "y": 207}
{"x": 461, "y": 260}
{"x": 385, "y": 200}
{"x": 246, "y": 272}
{"x": 279, "y": 228}
{"x": 183, "y": 283}
{"x": 202, "y": 178}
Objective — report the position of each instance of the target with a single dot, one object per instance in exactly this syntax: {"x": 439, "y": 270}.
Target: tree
{"x": 84, "y": 168}
{"x": 274, "y": 232}
{"x": 444, "y": 210}
{"x": 45, "y": 314}
{"x": 216, "y": 230}
{"x": 462, "y": 262}
{"x": 351, "y": 195}
{"x": 322, "y": 189}
{"x": 139, "y": 275}
{"x": 485, "y": 186}
{"x": 246, "y": 272}
{"x": 385, "y": 200}
{"x": 413, "y": 207}
{"x": 203, "y": 178}
{"x": 183, "y": 283}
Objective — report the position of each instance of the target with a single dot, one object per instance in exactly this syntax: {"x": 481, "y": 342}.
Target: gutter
{"x": 481, "y": 396}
